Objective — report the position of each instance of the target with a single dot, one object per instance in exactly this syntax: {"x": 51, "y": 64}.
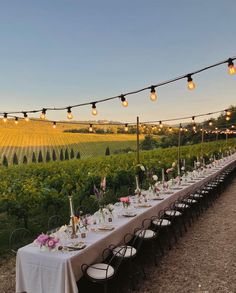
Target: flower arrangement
{"x": 125, "y": 201}
{"x": 46, "y": 241}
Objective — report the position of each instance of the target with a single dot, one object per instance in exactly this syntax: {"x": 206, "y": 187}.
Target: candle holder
{"x": 72, "y": 217}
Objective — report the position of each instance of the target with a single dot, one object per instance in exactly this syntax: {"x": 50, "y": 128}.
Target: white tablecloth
{"x": 57, "y": 272}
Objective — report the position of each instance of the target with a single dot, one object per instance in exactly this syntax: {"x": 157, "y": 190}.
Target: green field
{"x": 27, "y": 137}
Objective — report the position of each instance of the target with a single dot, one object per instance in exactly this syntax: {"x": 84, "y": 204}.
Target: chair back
{"x": 18, "y": 238}
{"x": 54, "y": 222}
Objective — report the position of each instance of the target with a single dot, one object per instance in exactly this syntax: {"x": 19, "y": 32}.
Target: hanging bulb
{"x": 227, "y": 118}
{"x": 231, "y": 67}
{"x": 91, "y": 128}
{"x": 54, "y": 125}
{"x": 124, "y": 101}
{"x": 5, "y": 117}
{"x": 193, "y": 119}
{"x": 210, "y": 123}
{"x": 228, "y": 112}
{"x": 191, "y": 84}
{"x": 194, "y": 127}
{"x": 170, "y": 129}
{"x": 94, "y": 109}
{"x": 160, "y": 124}
{"x": 43, "y": 114}
{"x": 186, "y": 129}
{"x": 16, "y": 120}
{"x": 126, "y": 127}
{"x": 153, "y": 94}
{"x": 232, "y": 126}
{"x": 69, "y": 113}
{"x": 180, "y": 127}
{"x": 26, "y": 117}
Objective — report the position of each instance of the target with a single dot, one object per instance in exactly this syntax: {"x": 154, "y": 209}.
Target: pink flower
{"x": 125, "y": 199}
{"x": 169, "y": 170}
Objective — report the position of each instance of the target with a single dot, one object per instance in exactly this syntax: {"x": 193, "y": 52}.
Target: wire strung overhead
{"x": 153, "y": 94}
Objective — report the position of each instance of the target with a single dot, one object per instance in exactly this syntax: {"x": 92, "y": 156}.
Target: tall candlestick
{"x": 184, "y": 163}
{"x": 163, "y": 175}
{"x": 71, "y": 206}
{"x": 137, "y": 184}
{"x": 72, "y": 217}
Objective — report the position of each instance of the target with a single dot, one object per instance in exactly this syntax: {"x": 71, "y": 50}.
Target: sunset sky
{"x": 65, "y": 52}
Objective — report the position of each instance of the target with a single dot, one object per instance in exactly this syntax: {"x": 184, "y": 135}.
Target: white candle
{"x": 184, "y": 163}
{"x": 71, "y": 206}
{"x": 137, "y": 184}
{"x": 163, "y": 175}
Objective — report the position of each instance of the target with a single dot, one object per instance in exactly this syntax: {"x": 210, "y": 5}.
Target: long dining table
{"x": 58, "y": 271}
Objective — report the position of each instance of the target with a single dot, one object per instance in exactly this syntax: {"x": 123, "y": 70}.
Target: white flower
{"x": 154, "y": 177}
{"x": 173, "y": 164}
{"x": 198, "y": 164}
{"x": 183, "y": 168}
{"x": 142, "y": 167}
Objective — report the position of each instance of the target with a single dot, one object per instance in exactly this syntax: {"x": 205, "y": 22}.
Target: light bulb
{"x": 210, "y": 123}
{"x": 90, "y": 128}
{"x": 170, "y": 129}
{"x": 180, "y": 127}
{"x": 153, "y": 94}
{"x": 231, "y": 67}
{"x": 5, "y": 117}
{"x": 94, "y": 109}
{"x": 227, "y": 118}
{"x": 26, "y": 117}
{"x": 126, "y": 128}
{"x": 191, "y": 84}
{"x": 160, "y": 124}
{"x": 54, "y": 125}
{"x": 16, "y": 120}
{"x": 194, "y": 126}
{"x": 43, "y": 114}
{"x": 228, "y": 113}
{"x": 69, "y": 113}
{"x": 124, "y": 101}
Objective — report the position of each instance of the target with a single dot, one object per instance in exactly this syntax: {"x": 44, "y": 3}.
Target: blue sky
{"x": 59, "y": 53}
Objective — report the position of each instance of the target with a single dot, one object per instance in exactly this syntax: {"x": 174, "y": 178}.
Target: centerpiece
{"x": 46, "y": 242}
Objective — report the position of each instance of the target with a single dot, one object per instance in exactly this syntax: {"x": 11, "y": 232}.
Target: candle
{"x": 71, "y": 206}
{"x": 137, "y": 185}
{"x": 184, "y": 163}
{"x": 163, "y": 175}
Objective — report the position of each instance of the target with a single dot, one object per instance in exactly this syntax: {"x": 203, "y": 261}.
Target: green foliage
{"x": 148, "y": 143}
{"x": 107, "y": 152}
{"x": 40, "y": 157}
{"x": 78, "y": 155}
{"x": 25, "y": 161}
{"x": 15, "y": 159}
{"x": 5, "y": 161}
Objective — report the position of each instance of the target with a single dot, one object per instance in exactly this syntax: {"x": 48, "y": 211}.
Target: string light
{"x": 170, "y": 129}
{"x": 227, "y": 118}
{"x": 180, "y": 127}
{"x": 54, "y": 125}
{"x": 160, "y": 124}
{"x": 231, "y": 67}
{"x": 91, "y": 128}
{"x": 26, "y": 117}
{"x": 210, "y": 123}
{"x": 94, "y": 109}
{"x": 228, "y": 112}
{"x": 126, "y": 127}
{"x": 124, "y": 101}
{"x": 194, "y": 127}
{"x": 153, "y": 94}
{"x": 43, "y": 114}
{"x": 16, "y": 120}
{"x": 191, "y": 84}
{"x": 193, "y": 118}
{"x": 5, "y": 117}
{"x": 69, "y": 113}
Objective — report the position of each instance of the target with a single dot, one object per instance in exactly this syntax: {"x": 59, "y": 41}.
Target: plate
{"x": 74, "y": 246}
{"x": 129, "y": 214}
{"x": 106, "y": 228}
{"x": 158, "y": 198}
{"x": 177, "y": 188}
{"x": 143, "y": 205}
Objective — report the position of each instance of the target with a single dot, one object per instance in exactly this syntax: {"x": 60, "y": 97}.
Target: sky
{"x": 63, "y": 52}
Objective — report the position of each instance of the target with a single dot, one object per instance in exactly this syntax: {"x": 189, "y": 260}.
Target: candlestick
{"x": 184, "y": 163}
{"x": 72, "y": 217}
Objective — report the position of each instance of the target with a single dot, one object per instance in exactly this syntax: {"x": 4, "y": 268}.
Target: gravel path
{"x": 203, "y": 261}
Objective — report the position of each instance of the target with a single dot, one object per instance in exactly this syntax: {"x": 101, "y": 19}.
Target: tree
{"x": 61, "y": 155}
{"x": 107, "y": 152}
{"x": 72, "y": 154}
{"x": 25, "y": 161}
{"x": 54, "y": 156}
{"x": 34, "y": 158}
{"x": 5, "y": 161}
{"x": 78, "y": 155}
{"x": 148, "y": 143}
{"x": 15, "y": 159}
{"x": 66, "y": 154}
{"x": 48, "y": 157}
{"x": 40, "y": 157}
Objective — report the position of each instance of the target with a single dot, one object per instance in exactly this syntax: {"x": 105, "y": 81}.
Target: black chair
{"x": 18, "y": 238}
{"x": 54, "y": 223}
{"x": 105, "y": 271}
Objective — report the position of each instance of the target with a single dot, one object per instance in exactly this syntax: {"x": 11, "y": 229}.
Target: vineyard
{"x": 28, "y": 139}
{"x": 29, "y": 191}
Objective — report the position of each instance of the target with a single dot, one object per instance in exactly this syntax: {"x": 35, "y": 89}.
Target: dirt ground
{"x": 203, "y": 260}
